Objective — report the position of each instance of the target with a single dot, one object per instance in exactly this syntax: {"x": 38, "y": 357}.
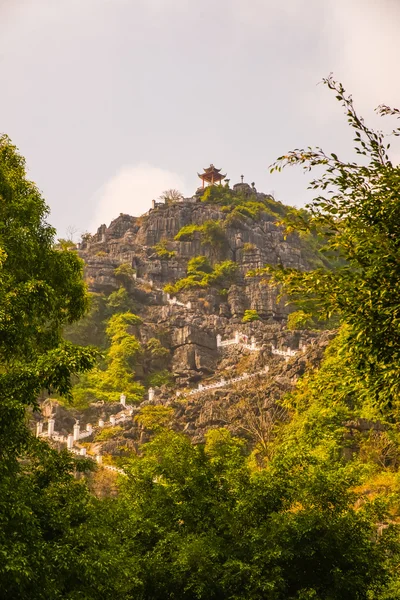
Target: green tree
{"x": 41, "y": 291}
{"x": 207, "y": 526}
{"x": 117, "y": 375}
{"x": 358, "y": 212}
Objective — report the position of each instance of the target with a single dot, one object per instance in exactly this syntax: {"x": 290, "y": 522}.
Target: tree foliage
{"x": 124, "y": 272}
{"x": 210, "y": 527}
{"x": 116, "y": 376}
{"x": 299, "y": 319}
{"x": 358, "y": 211}
{"x": 41, "y": 291}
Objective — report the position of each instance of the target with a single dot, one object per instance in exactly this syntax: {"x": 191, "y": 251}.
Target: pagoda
{"x": 211, "y": 175}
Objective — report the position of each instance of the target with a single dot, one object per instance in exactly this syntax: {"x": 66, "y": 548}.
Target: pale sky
{"x": 113, "y": 101}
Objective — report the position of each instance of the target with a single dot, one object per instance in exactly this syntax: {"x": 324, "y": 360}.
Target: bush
{"x": 108, "y": 433}
{"x": 155, "y": 417}
{"x": 162, "y": 251}
{"x": 155, "y": 348}
{"x": 218, "y": 194}
{"x": 186, "y": 283}
{"x": 212, "y": 234}
{"x": 160, "y": 378}
{"x": 119, "y": 301}
{"x": 185, "y": 234}
{"x": 199, "y": 264}
{"x": 224, "y": 273}
{"x": 202, "y": 274}
{"x": 250, "y": 315}
{"x": 240, "y": 205}
{"x": 249, "y": 247}
{"x": 124, "y": 271}
{"x": 252, "y": 209}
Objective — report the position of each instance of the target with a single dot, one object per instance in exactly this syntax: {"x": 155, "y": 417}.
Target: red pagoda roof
{"x": 211, "y": 174}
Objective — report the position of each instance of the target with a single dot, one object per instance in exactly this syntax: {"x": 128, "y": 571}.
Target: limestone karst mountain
{"x": 184, "y": 270}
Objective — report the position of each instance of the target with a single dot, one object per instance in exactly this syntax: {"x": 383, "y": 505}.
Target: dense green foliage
{"x": 201, "y": 274}
{"x": 208, "y": 526}
{"x": 41, "y": 291}
{"x": 111, "y": 325}
{"x": 117, "y": 376}
{"x": 299, "y": 319}
{"x": 91, "y": 329}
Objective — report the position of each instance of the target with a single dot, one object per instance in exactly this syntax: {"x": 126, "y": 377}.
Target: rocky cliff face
{"x": 189, "y": 327}
{"x": 192, "y": 332}
{"x": 251, "y": 244}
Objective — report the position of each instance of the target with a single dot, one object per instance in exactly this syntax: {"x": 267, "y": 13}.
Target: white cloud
{"x": 131, "y": 191}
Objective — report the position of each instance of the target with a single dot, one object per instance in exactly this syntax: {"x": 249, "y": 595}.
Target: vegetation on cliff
{"x": 240, "y": 203}
{"x": 111, "y": 325}
{"x": 211, "y": 234}
{"x": 162, "y": 251}
{"x": 201, "y": 274}
{"x": 116, "y": 374}
{"x": 250, "y": 315}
